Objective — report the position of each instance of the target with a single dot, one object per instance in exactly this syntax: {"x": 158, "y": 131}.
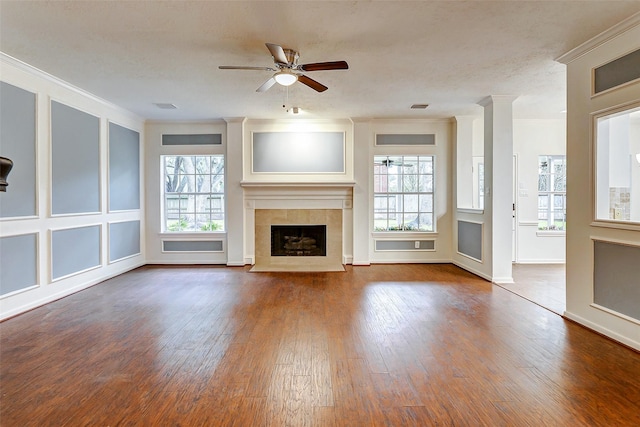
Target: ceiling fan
{"x": 288, "y": 71}
{"x": 390, "y": 163}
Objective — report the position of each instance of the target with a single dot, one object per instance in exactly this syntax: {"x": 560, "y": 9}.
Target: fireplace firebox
{"x": 298, "y": 240}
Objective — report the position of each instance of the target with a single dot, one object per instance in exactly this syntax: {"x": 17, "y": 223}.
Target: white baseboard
{"x": 471, "y": 270}
{"x": 236, "y": 264}
{"x": 502, "y": 280}
{"x": 410, "y": 261}
{"x": 540, "y": 261}
{"x": 602, "y": 330}
{"x": 184, "y": 262}
{"x": 65, "y": 293}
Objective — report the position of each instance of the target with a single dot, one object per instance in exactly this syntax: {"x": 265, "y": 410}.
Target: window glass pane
{"x": 559, "y": 183}
{"x": 410, "y": 221}
{"x": 411, "y": 203}
{"x": 543, "y": 201}
{"x": 405, "y": 199}
{"x": 380, "y": 203}
{"x": 394, "y": 161}
{"x": 203, "y": 165}
{"x": 543, "y": 182}
{"x": 618, "y": 166}
{"x": 393, "y": 203}
{"x": 426, "y": 203}
{"x": 202, "y": 204}
{"x": 426, "y": 184}
{"x": 379, "y": 183}
{"x": 426, "y": 222}
{"x": 552, "y": 192}
{"x": 410, "y": 183}
{"x": 558, "y": 201}
{"x": 194, "y": 193}
{"x": 394, "y": 181}
{"x": 190, "y": 220}
{"x": 426, "y": 166}
{"x": 410, "y": 164}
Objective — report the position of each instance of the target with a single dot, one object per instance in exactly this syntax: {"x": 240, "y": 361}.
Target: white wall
{"x": 47, "y": 88}
{"x": 581, "y": 232}
{"x": 280, "y": 184}
{"x": 359, "y": 150}
{"x": 533, "y": 138}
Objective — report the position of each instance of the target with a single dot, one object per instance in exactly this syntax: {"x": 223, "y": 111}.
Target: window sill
{"x": 471, "y": 211}
{"x": 550, "y": 233}
{"x": 408, "y": 235}
{"x": 192, "y": 234}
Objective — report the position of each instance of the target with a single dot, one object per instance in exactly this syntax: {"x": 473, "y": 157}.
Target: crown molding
{"x": 602, "y": 38}
{"x": 29, "y": 69}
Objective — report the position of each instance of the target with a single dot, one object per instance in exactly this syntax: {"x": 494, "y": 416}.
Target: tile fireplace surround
{"x": 279, "y": 204}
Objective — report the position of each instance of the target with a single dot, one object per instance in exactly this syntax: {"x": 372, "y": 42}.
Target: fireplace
{"x": 298, "y": 205}
{"x": 298, "y": 240}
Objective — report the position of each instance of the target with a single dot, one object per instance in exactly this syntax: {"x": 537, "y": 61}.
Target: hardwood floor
{"x": 386, "y": 345}
{"x": 543, "y": 284}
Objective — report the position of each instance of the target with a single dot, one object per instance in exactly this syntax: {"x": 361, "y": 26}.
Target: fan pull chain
{"x": 286, "y": 99}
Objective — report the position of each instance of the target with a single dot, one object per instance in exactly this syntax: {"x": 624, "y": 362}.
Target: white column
{"x": 233, "y": 192}
{"x": 362, "y": 211}
{"x": 498, "y": 175}
{"x": 464, "y": 162}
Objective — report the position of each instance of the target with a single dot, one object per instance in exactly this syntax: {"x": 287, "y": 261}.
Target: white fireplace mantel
{"x": 276, "y": 195}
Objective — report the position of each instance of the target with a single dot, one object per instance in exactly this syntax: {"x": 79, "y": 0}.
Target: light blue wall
{"x": 18, "y": 262}
{"x": 18, "y": 143}
{"x": 74, "y": 250}
{"x": 124, "y": 239}
{"x": 124, "y": 168}
{"x": 75, "y": 160}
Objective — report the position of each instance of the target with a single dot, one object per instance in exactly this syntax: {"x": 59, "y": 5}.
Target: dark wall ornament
{"x": 5, "y": 168}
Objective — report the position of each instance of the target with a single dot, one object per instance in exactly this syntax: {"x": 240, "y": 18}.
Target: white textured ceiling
{"x": 449, "y": 54}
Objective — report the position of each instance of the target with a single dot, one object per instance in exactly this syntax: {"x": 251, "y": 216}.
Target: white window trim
{"x": 404, "y": 233}
{"x": 163, "y": 199}
{"x": 550, "y": 195}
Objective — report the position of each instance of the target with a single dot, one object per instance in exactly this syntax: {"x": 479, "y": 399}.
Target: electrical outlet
{"x": 417, "y": 244}
{"x": 617, "y": 213}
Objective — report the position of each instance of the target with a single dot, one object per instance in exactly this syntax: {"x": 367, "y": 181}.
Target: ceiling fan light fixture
{"x": 285, "y": 78}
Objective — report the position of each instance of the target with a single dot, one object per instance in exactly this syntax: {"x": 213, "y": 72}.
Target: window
{"x": 403, "y": 193}
{"x": 193, "y": 193}
{"x": 552, "y": 193}
{"x": 618, "y": 166}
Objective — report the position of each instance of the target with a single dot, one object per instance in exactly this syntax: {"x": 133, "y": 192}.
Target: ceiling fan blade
{"x": 312, "y": 83}
{"x": 266, "y": 85}
{"x": 238, "y": 67}
{"x": 319, "y": 66}
{"x": 278, "y": 53}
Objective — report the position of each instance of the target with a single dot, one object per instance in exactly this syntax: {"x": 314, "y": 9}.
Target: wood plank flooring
{"x": 386, "y": 345}
{"x": 543, "y": 284}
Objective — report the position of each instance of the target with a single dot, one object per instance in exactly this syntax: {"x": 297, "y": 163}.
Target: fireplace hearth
{"x": 298, "y": 240}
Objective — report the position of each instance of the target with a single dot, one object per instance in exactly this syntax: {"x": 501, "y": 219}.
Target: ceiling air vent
{"x": 165, "y": 106}
{"x": 419, "y": 106}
